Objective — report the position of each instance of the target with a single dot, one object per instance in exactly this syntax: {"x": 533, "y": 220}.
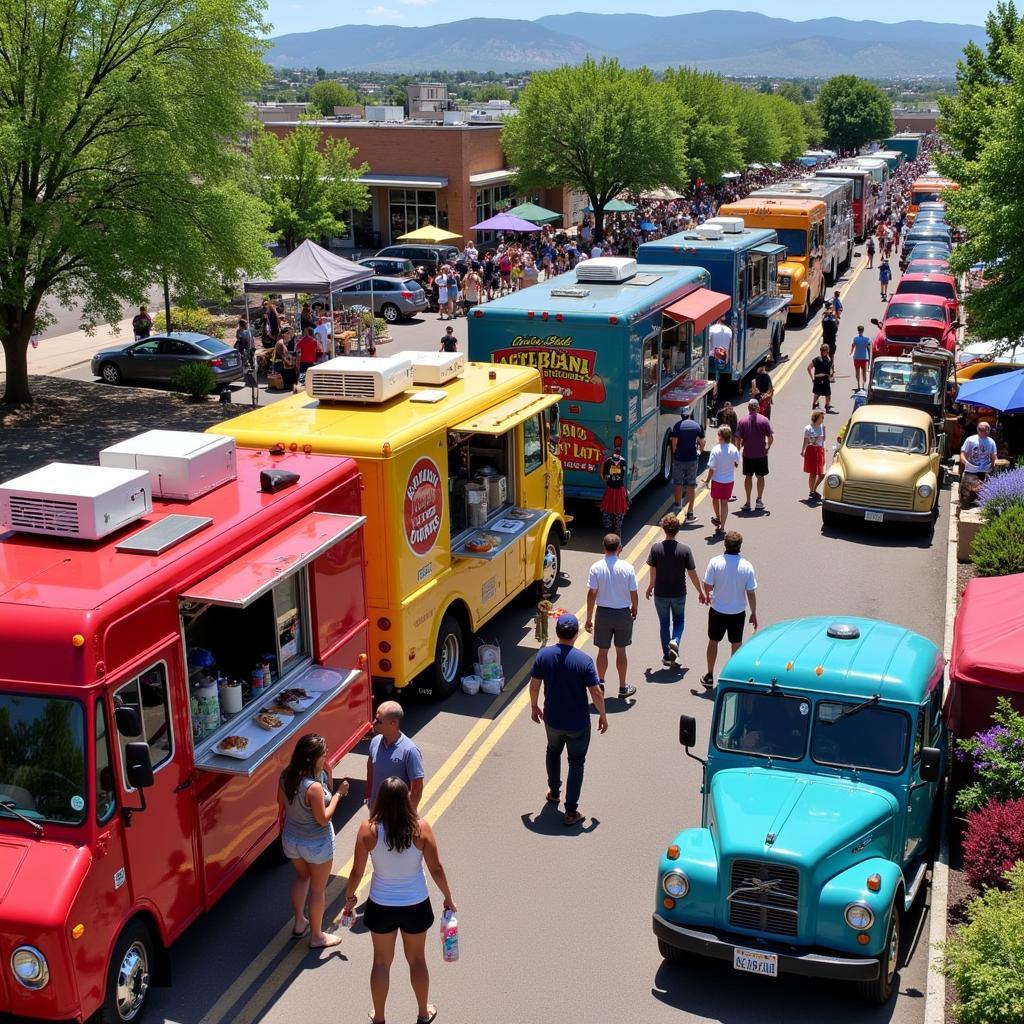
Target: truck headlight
{"x": 675, "y": 884}
{"x": 833, "y": 480}
{"x": 30, "y": 967}
{"x": 924, "y": 490}
{"x": 859, "y": 916}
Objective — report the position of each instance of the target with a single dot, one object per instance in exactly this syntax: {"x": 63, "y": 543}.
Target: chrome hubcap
{"x": 450, "y": 657}
{"x": 391, "y": 315}
{"x": 132, "y": 981}
{"x": 550, "y": 573}
{"x": 110, "y": 374}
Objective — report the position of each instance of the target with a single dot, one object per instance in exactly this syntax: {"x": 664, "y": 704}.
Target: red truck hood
{"x": 39, "y": 880}
{"x": 895, "y": 333}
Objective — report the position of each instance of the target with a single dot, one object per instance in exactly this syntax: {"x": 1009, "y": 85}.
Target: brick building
{"x": 450, "y": 175}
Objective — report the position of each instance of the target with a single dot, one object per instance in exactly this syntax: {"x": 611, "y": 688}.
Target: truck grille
{"x": 875, "y": 495}
{"x": 764, "y": 897}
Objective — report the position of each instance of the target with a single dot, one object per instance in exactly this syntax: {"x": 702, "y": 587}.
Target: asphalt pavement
{"x": 555, "y": 922}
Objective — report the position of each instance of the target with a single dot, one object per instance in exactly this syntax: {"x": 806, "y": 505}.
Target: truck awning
{"x": 257, "y": 571}
{"x": 700, "y": 307}
{"x": 507, "y": 415}
{"x": 770, "y": 250}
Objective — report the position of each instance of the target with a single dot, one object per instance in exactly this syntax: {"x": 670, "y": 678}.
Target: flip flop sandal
{"x": 298, "y": 935}
{"x": 431, "y": 1014}
{"x": 372, "y": 1019}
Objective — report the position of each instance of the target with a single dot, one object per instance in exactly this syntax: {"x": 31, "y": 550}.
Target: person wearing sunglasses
{"x": 393, "y": 755}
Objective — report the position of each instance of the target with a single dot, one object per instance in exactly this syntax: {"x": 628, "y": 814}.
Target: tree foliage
{"x": 492, "y": 91}
{"x": 599, "y": 128}
{"x": 984, "y": 150}
{"x": 117, "y": 161}
{"x": 308, "y": 187}
{"x": 711, "y": 127}
{"x": 759, "y": 128}
{"x": 853, "y": 111}
{"x": 327, "y": 94}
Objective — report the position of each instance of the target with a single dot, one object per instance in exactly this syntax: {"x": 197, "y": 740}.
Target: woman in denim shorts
{"x": 306, "y": 803}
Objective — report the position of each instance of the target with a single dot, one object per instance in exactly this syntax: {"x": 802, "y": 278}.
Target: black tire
{"x": 670, "y": 953}
{"x": 391, "y": 313}
{"x": 829, "y": 518}
{"x": 664, "y": 476}
{"x": 881, "y": 988}
{"x": 111, "y": 373}
{"x": 128, "y": 976}
{"x": 935, "y": 823}
{"x": 449, "y": 658}
{"x": 547, "y": 586}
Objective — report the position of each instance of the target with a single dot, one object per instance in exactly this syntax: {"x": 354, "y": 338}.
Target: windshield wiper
{"x": 855, "y": 709}
{"x": 9, "y": 805}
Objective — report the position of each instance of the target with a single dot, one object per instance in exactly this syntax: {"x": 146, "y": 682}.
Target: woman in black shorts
{"x": 398, "y": 843}
{"x": 820, "y": 371}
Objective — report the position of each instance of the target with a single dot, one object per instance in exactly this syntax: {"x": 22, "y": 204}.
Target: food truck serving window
{"x": 147, "y": 694}
{"x": 42, "y": 767}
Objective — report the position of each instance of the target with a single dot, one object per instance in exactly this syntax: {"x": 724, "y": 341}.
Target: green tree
{"x": 324, "y": 96}
{"x": 599, "y": 128}
{"x": 307, "y": 186}
{"x": 853, "y": 112}
{"x": 492, "y": 91}
{"x": 116, "y": 156}
{"x": 791, "y": 125}
{"x": 711, "y": 127}
{"x": 761, "y": 137}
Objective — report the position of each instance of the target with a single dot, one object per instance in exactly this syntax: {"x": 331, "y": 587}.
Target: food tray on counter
{"x": 499, "y": 532}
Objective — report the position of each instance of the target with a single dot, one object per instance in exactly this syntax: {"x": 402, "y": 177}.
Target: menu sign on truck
{"x": 565, "y": 370}
{"x": 423, "y": 506}
{"x": 580, "y": 448}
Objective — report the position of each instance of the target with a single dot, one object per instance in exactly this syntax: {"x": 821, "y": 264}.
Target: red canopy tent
{"x": 988, "y": 652}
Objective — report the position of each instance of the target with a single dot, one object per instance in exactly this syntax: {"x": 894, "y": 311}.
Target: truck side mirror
{"x": 931, "y": 763}
{"x": 127, "y": 721}
{"x": 687, "y": 731}
{"x": 874, "y": 320}
{"x": 138, "y": 768}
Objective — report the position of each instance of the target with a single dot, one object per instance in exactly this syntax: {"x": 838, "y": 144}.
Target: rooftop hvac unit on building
{"x": 68, "y": 500}
{"x": 360, "y": 379}
{"x": 435, "y": 367}
{"x": 183, "y": 464}
{"x": 606, "y": 270}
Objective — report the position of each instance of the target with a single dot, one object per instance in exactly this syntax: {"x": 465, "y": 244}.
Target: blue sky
{"x": 306, "y": 15}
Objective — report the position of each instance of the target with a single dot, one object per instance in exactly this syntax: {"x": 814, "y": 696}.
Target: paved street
{"x": 556, "y": 923}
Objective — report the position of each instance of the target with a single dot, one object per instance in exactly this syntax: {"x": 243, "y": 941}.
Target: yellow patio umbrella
{"x": 429, "y": 234}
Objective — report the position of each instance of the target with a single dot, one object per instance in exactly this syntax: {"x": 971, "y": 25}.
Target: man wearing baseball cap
{"x": 569, "y": 677}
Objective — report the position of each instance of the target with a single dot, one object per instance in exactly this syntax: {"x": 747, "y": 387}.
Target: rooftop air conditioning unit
{"x": 730, "y": 225}
{"x": 710, "y": 232}
{"x": 68, "y": 500}
{"x": 606, "y": 270}
{"x": 436, "y": 367}
{"x": 359, "y": 379}
{"x": 183, "y": 465}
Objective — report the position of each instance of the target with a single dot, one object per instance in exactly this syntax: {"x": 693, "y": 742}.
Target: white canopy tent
{"x": 312, "y": 268}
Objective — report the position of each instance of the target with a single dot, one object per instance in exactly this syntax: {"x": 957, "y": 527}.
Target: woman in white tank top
{"x": 399, "y": 844}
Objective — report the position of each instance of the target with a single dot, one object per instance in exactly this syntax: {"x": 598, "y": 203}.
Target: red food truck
{"x": 171, "y": 620}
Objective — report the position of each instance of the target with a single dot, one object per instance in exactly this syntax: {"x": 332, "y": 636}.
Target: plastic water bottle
{"x": 449, "y": 937}
{"x": 348, "y": 918}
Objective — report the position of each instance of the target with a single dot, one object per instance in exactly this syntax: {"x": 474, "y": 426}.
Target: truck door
{"x": 922, "y": 798}
{"x": 160, "y": 842}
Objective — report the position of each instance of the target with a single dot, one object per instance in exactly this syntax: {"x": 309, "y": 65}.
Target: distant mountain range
{"x": 729, "y": 42}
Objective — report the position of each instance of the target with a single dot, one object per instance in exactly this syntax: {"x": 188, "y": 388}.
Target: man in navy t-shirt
{"x": 569, "y": 677}
{"x": 687, "y": 440}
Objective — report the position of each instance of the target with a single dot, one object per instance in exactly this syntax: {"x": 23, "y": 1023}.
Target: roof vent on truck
{"x": 843, "y": 631}
{"x": 606, "y": 270}
{"x": 730, "y": 225}
{"x": 435, "y": 368}
{"x": 360, "y": 379}
{"x": 710, "y": 232}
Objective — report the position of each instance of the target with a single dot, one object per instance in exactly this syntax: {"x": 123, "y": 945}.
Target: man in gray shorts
{"x": 612, "y": 588}
{"x": 687, "y": 440}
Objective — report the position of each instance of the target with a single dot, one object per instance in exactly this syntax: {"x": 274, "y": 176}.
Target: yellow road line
{"x": 499, "y": 721}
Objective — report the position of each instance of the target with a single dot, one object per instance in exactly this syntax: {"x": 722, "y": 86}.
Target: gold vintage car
{"x": 886, "y": 469}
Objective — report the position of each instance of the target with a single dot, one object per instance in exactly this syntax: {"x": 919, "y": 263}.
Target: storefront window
{"x": 410, "y": 209}
{"x": 490, "y": 201}
{"x": 147, "y": 693}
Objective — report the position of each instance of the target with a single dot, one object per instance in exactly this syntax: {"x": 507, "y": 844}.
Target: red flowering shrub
{"x": 994, "y": 842}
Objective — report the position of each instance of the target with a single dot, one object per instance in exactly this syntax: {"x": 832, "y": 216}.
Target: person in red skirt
{"x": 813, "y": 452}
{"x": 615, "y": 503}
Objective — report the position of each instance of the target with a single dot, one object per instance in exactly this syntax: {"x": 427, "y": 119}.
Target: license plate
{"x": 874, "y": 517}
{"x": 755, "y": 962}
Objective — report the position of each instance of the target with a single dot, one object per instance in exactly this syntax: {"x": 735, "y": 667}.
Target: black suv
{"x": 426, "y": 256}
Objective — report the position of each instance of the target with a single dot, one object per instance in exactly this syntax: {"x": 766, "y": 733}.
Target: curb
{"x": 935, "y": 988}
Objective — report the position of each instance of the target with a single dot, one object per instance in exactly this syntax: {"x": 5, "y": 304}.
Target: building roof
{"x": 425, "y": 181}
{"x": 885, "y": 659}
{"x": 406, "y": 125}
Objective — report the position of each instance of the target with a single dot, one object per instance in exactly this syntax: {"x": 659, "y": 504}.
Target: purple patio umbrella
{"x": 505, "y": 222}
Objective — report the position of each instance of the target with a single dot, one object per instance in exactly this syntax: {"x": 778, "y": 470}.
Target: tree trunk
{"x": 15, "y": 343}
{"x": 598, "y": 221}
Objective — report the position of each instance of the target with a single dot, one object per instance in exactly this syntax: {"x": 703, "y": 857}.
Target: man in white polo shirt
{"x": 612, "y": 588}
{"x": 729, "y": 583}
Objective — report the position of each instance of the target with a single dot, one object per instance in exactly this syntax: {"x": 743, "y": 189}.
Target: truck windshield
{"x": 889, "y": 375}
{"x": 891, "y": 436}
{"x": 42, "y": 759}
{"x": 873, "y": 739}
{"x": 762, "y": 724}
{"x": 794, "y": 240}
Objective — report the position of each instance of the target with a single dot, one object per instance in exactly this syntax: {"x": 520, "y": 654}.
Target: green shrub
{"x": 983, "y": 959}
{"x": 189, "y": 318}
{"x": 995, "y": 758}
{"x": 380, "y": 325}
{"x": 196, "y": 380}
{"x": 998, "y": 547}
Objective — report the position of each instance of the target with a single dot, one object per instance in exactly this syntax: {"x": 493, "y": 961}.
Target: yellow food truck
{"x": 463, "y": 495}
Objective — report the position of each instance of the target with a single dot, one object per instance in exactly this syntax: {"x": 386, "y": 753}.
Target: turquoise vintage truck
{"x": 822, "y": 804}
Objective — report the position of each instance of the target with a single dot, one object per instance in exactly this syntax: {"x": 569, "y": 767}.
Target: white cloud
{"x": 386, "y": 13}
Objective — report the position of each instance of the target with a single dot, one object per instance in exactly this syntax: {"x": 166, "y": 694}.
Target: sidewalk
{"x": 66, "y": 350}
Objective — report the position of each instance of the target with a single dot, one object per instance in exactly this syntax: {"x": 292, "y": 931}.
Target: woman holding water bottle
{"x": 398, "y": 843}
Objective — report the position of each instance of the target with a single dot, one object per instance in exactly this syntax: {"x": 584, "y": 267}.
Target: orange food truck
{"x": 171, "y": 620}
{"x": 928, "y": 189}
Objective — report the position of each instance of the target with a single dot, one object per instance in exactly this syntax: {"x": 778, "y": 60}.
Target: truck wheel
{"x": 449, "y": 657}
{"x": 879, "y": 990}
{"x": 665, "y": 472}
{"x": 128, "y": 976}
{"x": 670, "y": 953}
{"x": 547, "y": 586}
{"x": 829, "y": 518}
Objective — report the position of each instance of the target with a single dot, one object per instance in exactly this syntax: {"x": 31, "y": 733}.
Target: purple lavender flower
{"x": 1001, "y": 490}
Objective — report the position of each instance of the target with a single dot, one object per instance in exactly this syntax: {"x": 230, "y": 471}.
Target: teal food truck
{"x": 625, "y": 347}
{"x": 743, "y": 264}
{"x": 906, "y": 142}
{"x": 821, "y": 808}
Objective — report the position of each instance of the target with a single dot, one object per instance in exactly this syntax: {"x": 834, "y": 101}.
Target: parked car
{"x": 940, "y": 285}
{"x": 988, "y": 358}
{"x": 927, "y": 265}
{"x": 930, "y": 250}
{"x": 394, "y": 298}
{"x": 909, "y": 319}
{"x": 158, "y": 359}
{"x": 389, "y": 266}
{"x": 887, "y": 468}
{"x": 927, "y": 232}
{"x": 427, "y": 256}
